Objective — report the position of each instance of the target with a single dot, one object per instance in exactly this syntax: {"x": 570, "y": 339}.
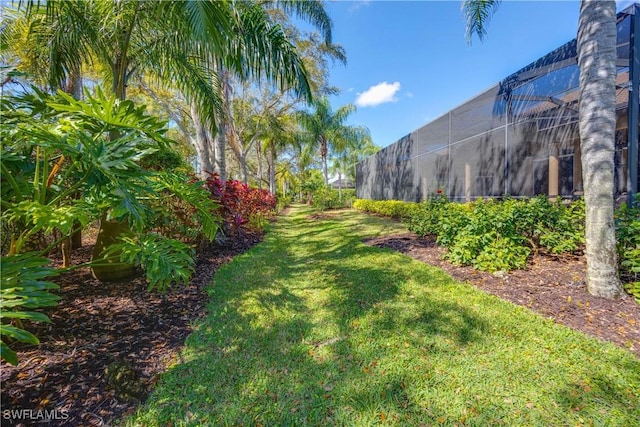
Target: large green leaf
{"x": 7, "y": 354}
{"x": 18, "y": 334}
{"x": 164, "y": 261}
{"x": 195, "y": 195}
{"x": 23, "y": 285}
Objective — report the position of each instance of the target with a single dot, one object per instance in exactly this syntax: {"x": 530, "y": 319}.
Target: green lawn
{"x": 312, "y": 327}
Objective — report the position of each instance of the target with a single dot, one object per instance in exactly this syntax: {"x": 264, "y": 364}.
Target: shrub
{"x": 239, "y": 203}
{"x": 283, "y": 201}
{"x": 502, "y": 254}
{"x": 181, "y": 217}
{"x": 330, "y": 198}
{"x": 496, "y": 235}
{"x": 628, "y": 246}
{"x": 392, "y": 208}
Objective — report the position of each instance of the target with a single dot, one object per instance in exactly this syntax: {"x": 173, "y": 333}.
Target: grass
{"x": 312, "y": 327}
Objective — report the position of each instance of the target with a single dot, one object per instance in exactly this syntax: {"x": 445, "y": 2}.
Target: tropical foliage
{"x": 330, "y": 198}
{"x": 327, "y": 130}
{"x": 596, "y": 55}
{"x": 24, "y": 287}
{"x": 495, "y": 235}
{"x": 241, "y": 206}
{"x": 628, "y": 245}
{"x": 66, "y": 163}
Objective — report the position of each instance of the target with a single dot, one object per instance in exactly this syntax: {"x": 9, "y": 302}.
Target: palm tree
{"x": 327, "y": 129}
{"x": 312, "y": 11}
{"x": 344, "y": 161}
{"x": 597, "y": 122}
{"x": 182, "y": 42}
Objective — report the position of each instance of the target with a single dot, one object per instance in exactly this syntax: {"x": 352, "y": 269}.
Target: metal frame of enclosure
{"x": 520, "y": 137}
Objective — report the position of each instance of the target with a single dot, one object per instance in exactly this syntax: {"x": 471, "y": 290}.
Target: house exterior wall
{"x": 518, "y": 138}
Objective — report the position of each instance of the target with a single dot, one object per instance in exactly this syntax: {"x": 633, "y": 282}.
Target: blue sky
{"x": 408, "y": 62}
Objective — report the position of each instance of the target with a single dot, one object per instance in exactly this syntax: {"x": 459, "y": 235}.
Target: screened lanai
{"x": 519, "y": 137}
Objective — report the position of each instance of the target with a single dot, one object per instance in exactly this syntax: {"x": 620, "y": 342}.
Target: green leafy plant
{"x": 628, "y": 245}
{"x": 23, "y": 289}
{"x": 392, "y": 208}
{"x": 633, "y": 288}
{"x": 502, "y": 254}
{"x": 165, "y": 261}
{"x": 66, "y": 163}
{"x": 184, "y": 207}
{"x": 492, "y": 234}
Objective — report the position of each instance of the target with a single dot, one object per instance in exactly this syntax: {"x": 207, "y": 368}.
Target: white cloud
{"x": 378, "y": 94}
{"x": 358, "y": 4}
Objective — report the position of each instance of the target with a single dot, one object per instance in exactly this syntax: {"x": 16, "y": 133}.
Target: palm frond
{"x": 477, "y": 15}
{"x": 261, "y": 49}
{"x": 311, "y": 11}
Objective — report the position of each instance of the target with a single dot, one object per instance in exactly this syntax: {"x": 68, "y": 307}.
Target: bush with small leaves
{"x": 628, "y": 245}
{"x": 392, "y": 208}
{"x": 497, "y": 235}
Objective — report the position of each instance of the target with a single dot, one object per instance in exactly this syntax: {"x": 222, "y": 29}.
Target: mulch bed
{"x": 99, "y": 325}
{"x": 552, "y": 286}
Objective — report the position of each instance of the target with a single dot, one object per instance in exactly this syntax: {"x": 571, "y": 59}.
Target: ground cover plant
{"x": 502, "y": 235}
{"x": 313, "y": 327}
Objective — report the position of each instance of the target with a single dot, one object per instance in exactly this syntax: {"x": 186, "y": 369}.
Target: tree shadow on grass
{"x": 262, "y": 357}
{"x": 614, "y": 397}
{"x": 299, "y": 334}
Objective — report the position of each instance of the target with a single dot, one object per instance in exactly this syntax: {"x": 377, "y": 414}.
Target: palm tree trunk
{"x": 203, "y": 143}
{"x": 73, "y": 84}
{"x": 74, "y": 87}
{"x": 597, "y": 58}
{"x": 111, "y": 230}
{"x": 272, "y": 168}
{"x": 220, "y": 144}
{"x": 323, "y": 153}
{"x": 112, "y": 269}
{"x": 259, "y": 155}
{"x": 223, "y": 127}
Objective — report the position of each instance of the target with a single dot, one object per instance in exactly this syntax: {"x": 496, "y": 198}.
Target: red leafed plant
{"x": 239, "y": 203}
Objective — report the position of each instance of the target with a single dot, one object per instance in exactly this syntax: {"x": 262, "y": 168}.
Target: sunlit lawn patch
{"x": 312, "y": 327}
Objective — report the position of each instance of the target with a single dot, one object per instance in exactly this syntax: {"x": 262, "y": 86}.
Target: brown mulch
{"x": 97, "y": 325}
{"x": 552, "y": 286}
